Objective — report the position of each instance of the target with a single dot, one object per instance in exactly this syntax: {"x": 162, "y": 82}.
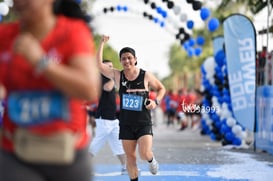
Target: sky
{"x": 151, "y": 41}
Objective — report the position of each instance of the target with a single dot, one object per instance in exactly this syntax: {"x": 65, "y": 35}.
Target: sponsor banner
{"x": 218, "y": 43}
{"x": 264, "y": 124}
{"x": 240, "y": 47}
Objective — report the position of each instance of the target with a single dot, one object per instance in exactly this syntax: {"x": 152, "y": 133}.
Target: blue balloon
{"x": 0, "y": 18}
{"x": 200, "y": 40}
{"x": 229, "y": 136}
{"x": 219, "y": 57}
{"x": 204, "y": 13}
{"x": 190, "y": 24}
{"x": 190, "y": 52}
{"x": 212, "y": 136}
{"x": 191, "y": 42}
{"x": 162, "y": 24}
{"x": 218, "y": 124}
{"x": 119, "y": 8}
{"x": 125, "y": 8}
{"x": 156, "y": 20}
{"x": 225, "y": 91}
{"x": 198, "y": 51}
{"x": 164, "y": 14}
{"x": 159, "y": 10}
{"x": 213, "y": 24}
{"x": 236, "y": 141}
{"x": 186, "y": 45}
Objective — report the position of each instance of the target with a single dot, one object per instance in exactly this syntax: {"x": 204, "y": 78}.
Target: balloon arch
{"x": 179, "y": 26}
{"x": 193, "y": 46}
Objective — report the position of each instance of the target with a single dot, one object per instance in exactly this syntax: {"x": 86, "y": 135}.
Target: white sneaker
{"x": 124, "y": 171}
{"x": 153, "y": 166}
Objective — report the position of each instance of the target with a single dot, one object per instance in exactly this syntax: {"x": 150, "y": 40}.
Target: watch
{"x": 157, "y": 102}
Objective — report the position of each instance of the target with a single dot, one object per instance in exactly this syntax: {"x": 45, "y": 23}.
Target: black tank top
{"x": 107, "y": 103}
{"x": 132, "y": 109}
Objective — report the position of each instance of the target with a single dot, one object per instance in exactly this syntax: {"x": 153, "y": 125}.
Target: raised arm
{"x": 111, "y": 73}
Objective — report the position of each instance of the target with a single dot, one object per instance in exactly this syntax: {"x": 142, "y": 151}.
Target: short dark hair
{"x": 127, "y": 50}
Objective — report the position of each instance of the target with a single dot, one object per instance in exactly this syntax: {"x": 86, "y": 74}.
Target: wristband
{"x": 157, "y": 102}
{"x": 42, "y": 65}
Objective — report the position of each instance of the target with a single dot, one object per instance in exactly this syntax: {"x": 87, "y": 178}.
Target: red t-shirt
{"x": 68, "y": 38}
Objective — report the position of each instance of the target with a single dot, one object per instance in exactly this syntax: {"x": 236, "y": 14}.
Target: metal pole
{"x": 267, "y": 29}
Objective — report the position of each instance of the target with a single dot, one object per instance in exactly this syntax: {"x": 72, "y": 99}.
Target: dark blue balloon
{"x": 198, "y": 51}
{"x": 204, "y": 13}
{"x": 159, "y": 10}
{"x": 212, "y": 136}
{"x": 156, "y": 20}
{"x": 229, "y": 136}
{"x": 213, "y": 24}
{"x": 200, "y": 40}
{"x": 164, "y": 14}
{"x": 236, "y": 141}
{"x": 119, "y": 8}
{"x": 191, "y": 42}
{"x": 225, "y": 91}
{"x": 220, "y": 57}
{"x": 218, "y": 124}
{"x": 190, "y": 24}
{"x": 125, "y": 8}
{"x": 162, "y": 24}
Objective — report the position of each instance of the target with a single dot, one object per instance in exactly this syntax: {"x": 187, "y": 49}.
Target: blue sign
{"x": 218, "y": 43}
{"x": 264, "y": 124}
{"x": 240, "y": 47}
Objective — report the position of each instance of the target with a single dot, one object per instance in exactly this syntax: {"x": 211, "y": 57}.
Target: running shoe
{"x": 124, "y": 171}
{"x": 153, "y": 166}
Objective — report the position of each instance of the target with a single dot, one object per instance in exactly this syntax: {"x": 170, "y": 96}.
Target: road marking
{"x": 145, "y": 173}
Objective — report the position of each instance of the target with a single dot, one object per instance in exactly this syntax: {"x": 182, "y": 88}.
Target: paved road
{"x": 187, "y": 155}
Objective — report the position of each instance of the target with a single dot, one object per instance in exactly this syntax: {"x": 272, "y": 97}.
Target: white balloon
{"x": 211, "y": 80}
{"x": 208, "y": 121}
{"x": 236, "y": 129}
{"x": 231, "y": 122}
{"x": 176, "y": 10}
{"x": 4, "y": 9}
{"x": 209, "y": 65}
{"x": 9, "y": 2}
{"x": 205, "y": 116}
{"x": 183, "y": 17}
{"x": 225, "y": 106}
{"x": 242, "y": 135}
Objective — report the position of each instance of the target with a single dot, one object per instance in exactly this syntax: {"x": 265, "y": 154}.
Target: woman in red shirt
{"x": 47, "y": 69}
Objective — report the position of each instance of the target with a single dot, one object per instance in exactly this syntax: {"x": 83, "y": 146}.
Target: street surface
{"x": 187, "y": 155}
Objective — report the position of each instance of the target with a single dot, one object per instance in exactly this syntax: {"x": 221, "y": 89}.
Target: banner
{"x": 240, "y": 47}
{"x": 264, "y": 125}
{"x": 218, "y": 43}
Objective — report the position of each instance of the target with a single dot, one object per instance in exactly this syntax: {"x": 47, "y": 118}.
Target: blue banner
{"x": 218, "y": 43}
{"x": 240, "y": 47}
{"x": 264, "y": 125}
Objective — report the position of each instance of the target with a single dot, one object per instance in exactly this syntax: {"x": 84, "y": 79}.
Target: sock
{"x": 135, "y": 179}
{"x": 150, "y": 161}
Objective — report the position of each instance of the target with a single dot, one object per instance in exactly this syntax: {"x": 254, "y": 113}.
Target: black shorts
{"x": 171, "y": 113}
{"x": 134, "y": 132}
